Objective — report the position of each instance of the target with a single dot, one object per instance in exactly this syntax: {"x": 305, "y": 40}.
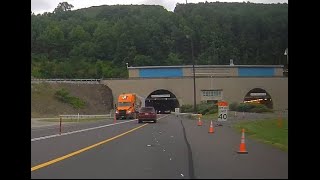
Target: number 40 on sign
{"x": 223, "y": 111}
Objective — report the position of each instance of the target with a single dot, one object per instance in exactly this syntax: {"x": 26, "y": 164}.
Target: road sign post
{"x": 223, "y": 111}
{"x": 177, "y": 111}
{"x": 114, "y": 114}
{"x": 60, "y": 125}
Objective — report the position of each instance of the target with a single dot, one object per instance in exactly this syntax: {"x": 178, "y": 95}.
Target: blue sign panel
{"x": 256, "y": 71}
{"x": 161, "y": 72}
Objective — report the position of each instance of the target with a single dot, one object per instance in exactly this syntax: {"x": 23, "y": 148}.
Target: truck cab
{"x": 128, "y": 106}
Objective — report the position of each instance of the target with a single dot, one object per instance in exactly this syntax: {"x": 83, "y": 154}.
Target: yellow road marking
{"x": 82, "y": 150}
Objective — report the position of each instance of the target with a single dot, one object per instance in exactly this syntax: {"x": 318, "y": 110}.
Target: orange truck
{"x": 128, "y": 106}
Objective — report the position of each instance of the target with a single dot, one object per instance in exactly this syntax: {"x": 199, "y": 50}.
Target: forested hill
{"x": 97, "y": 42}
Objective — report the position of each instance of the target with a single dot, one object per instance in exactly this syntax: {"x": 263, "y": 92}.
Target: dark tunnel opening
{"x": 163, "y": 101}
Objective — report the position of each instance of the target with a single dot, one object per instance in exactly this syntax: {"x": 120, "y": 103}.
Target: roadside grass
{"x": 208, "y": 117}
{"x": 267, "y": 131}
{"x": 75, "y": 119}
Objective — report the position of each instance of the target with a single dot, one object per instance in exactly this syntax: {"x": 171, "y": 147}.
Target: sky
{"x": 41, "y": 6}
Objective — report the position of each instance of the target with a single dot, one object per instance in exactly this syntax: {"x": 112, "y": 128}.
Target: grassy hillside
{"x": 98, "y": 99}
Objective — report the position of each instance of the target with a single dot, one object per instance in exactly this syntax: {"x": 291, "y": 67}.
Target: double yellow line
{"x": 82, "y": 150}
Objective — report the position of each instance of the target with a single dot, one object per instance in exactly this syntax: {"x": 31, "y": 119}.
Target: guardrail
{"x": 84, "y": 81}
{"x": 44, "y": 118}
{"x": 78, "y": 116}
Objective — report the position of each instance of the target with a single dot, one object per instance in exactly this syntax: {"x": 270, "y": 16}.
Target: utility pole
{"x": 194, "y": 80}
{"x": 194, "y": 76}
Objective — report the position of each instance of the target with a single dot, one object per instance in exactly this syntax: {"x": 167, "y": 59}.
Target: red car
{"x": 147, "y": 114}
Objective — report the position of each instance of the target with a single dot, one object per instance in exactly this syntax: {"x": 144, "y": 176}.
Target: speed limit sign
{"x": 223, "y": 111}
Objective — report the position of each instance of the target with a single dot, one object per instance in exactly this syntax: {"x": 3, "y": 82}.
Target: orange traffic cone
{"x": 211, "y": 130}
{"x": 199, "y": 122}
{"x": 242, "y": 149}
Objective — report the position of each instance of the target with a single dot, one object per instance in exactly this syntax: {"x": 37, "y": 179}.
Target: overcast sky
{"x": 41, "y": 6}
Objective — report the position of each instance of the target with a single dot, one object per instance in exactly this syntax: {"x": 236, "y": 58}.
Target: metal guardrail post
{"x": 60, "y": 125}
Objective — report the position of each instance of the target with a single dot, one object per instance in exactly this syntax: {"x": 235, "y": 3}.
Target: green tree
{"x": 142, "y": 60}
{"x": 51, "y": 39}
{"x": 62, "y": 7}
{"x": 173, "y": 59}
{"x": 78, "y": 34}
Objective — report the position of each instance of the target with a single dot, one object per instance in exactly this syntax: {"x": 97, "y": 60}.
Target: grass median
{"x": 270, "y": 131}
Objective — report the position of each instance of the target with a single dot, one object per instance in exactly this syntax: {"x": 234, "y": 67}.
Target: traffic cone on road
{"x": 199, "y": 121}
{"x": 242, "y": 148}
{"x": 211, "y": 130}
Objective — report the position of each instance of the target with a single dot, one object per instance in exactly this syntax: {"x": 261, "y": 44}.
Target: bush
{"x": 244, "y": 107}
{"x": 207, "y": 108}
{"x": 203, "y": 108}
{"x": 233, "y": 106}
{"x": 186, "y": 108}
{"x": 210, "y": 108}
{"x": 212, "y": 111}
{"x": 252, "y": 107}
{"x": 77, "y": 102}
{"x": 259, "y": 108}
{"x": 63, "y": 96}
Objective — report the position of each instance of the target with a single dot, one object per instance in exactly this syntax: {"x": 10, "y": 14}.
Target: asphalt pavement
{"x": 215, "y": 154}
{"x": 173, "y": 148}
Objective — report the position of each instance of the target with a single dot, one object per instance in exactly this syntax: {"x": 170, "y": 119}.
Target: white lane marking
{"x": 52, "y": 126}
{"x": 82, "y": 130}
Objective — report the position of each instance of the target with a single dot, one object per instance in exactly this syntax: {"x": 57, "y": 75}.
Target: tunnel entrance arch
{"x": 162, "y": 100}
{"x": 258, "y": 95}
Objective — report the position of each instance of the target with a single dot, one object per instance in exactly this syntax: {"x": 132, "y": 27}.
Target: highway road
{"x": 174, "y": 147}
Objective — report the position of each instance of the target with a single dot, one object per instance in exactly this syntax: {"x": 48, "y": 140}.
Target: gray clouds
{"x": 168, "y": 4}
{"x": 272, "y": 1}
{"x": 40, "y": 6}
